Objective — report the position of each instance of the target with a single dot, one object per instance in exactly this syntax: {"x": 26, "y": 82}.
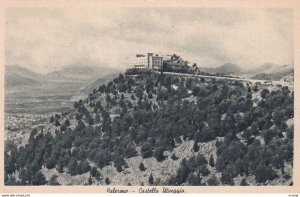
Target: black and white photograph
{"x": 148, "y": 96}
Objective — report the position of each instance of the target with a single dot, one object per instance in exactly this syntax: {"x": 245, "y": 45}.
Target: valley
{"x": 31, "y": 98}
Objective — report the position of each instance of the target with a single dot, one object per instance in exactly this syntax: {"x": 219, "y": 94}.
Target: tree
{"x": 53, "y": 180}
{"x": 52, "y": 119}
{"x": 50, "y": 163}
{"x": 268, "y": 135}
{"x": 106, "y": 124}
{"x": 72, "y": 167}
{"x": 24, "y": 176}
{"x": 196, "y": 90}
{"x": 264, "y": 93}
{"x": 78, "y": 116}
{"x": 159, "y": 153}
{"x": 93, "y": 171}
{"x": 98, "y": 175}
{"x": 212, "y": 181}
{"x": 277, "y": 162}
{"x": 76, "y": 105}
{"x": 151, "y": 179}
{"x": 132, "y": 97}
{"x": 107, "y": 181}
{"x": 102, "y": 88}
{"x": 195, "y": 147}
{"x": 97, "y": 118}
{"x": 146, "y": 150}
{"x": 254, "y": 128}
{"x": 206, "y": 134}
{"x": 60, "y": 167}
{"x": 142, "y": 167}
{"x": 84, "y": 167}
{"x": 67, "y": 122}
{"x": 174, "y": 157}
{"x": 211, "y": 161}
{"x": 63, "y": 127}
{"x": 289, "y": 111}
{"x": 119, "y": 168}
{"x": 200, "y": 159}
{"x": 227, "y": 177}
{"x": 57, "y": 123}
{"x": 194, "y": 179}
{"x": 90, "y": 120}
{"x": 244, "y": 183}
{"x": 139, "y": 92}
{"x": 39, "y": 179}
{"x": 90, "y": 181}
{"x": 278, "y": 117}
{"x": 80, "y": 125}
{"x": 203, "y": 170}
{"x": 182, "y": 172}
{"x": 263, "y": 173}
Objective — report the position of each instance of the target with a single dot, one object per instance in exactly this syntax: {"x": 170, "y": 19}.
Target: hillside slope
{"x": 161, "y": 129}
{"x": 95, "y": 84}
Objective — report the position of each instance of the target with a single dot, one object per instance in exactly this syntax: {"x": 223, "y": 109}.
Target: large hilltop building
{"x": 155, "y": 62}
{"x": 147, "y": 62}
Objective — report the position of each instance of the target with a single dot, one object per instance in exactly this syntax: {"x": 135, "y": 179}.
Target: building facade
{"x": 147, "y": 62}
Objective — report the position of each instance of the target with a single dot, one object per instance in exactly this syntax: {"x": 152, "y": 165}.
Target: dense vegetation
{"x": 157, "y": 112}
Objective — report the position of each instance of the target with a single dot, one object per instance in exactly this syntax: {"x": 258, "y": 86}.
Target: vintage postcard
{"x": 149, "y": 96}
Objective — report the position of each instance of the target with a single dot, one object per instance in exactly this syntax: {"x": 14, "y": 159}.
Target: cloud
{"x": 46, "y": 39}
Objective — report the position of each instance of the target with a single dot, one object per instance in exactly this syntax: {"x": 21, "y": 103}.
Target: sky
{"x": 47, "y": 39}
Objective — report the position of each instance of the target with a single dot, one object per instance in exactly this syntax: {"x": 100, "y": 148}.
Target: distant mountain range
{"x": 91, "y": 75}
{"x": 16, "y": 75}
{"x": 268, "y": 71}
{"x": 271, "y": 71}
{"x": 227, "y": 68}
{"x": 80, "y": 73}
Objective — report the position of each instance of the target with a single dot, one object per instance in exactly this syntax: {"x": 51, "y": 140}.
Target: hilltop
{"x": 158, "y": 129}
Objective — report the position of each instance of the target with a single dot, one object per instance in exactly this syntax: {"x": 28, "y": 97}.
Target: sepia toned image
{"x": 149, "y": 96}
